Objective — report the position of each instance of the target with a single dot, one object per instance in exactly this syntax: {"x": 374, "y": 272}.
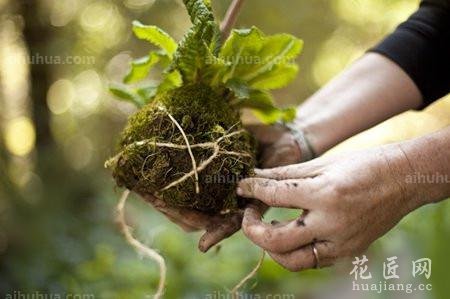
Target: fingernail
{"x": 239, "y": 191}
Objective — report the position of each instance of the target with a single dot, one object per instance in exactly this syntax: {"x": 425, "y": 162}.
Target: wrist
{"x": 430, "y": 165}
{"x": 302, "y": 142}
{"x": 397, "y": 169}
{"x": 321, "y": 135}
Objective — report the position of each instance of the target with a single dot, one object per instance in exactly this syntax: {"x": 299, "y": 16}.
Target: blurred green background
{"x": 58, "y": 125}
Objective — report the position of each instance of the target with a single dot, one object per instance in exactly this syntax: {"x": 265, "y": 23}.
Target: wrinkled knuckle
{"x": 248, "y": 187}
{"x": 269, "y": 239}
{"x": 279, "y": 171}
{"x": 270, "y": 195}
{"x": 336, "y": 192}
{"x": 274, "y": 193}
{"x": 284, "y": 173}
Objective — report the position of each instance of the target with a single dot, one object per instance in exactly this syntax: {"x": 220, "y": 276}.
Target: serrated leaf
{"x": 199, "y": 11}
{"x": 170, "y": 81}
{"x": 208, "y": 3}
{"x": 264, "y": 62}
{"x": 124, "y": 94}
{"x": 195, "y": 60}
{"x": 200, "y": 43}
{"x": 156, "y": 36}
{"x": 140, "y": 68}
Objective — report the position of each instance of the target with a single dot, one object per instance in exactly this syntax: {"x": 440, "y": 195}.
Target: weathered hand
{"x": 216, "y": 228}
{"x": 348, "y": 201}
{"x": 277, "y": 145}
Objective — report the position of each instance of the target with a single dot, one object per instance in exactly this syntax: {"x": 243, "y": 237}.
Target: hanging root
{"x": 141, "y": 248}
{"x": 235, "y": 291}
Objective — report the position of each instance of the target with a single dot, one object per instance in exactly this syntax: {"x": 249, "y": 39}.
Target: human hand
{"x": 349, "y": 201}
{"x": 217, "y": 227}
{"x": 278, "y": 146}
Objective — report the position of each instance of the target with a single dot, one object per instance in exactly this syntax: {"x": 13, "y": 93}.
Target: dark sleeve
{"x": 421, "y": 47}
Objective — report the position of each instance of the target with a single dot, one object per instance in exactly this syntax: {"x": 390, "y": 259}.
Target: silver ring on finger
{"x": 316, "y": 256}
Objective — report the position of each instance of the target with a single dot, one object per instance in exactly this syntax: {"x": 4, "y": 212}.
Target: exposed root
{"x": 141, "y": 248}
{"x": 202, "y": 166}
{"x": 215, "y": 146}
{"x": 194, "y": 163}
{"x": 235, "y": 291}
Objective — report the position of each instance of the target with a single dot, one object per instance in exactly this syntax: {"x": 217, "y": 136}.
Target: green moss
{"x": 205, "y": 116}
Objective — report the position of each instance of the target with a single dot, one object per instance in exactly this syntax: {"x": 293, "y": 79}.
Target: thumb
{"x": 220, "y": 229}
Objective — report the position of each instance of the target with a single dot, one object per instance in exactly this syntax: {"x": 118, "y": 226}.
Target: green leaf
{"x": 278, "y": 78}
{"x": 140, "y": 68}
{"x": 171, "y": 81}
{"x": 199, "y": 11}
{"x": 289, "y": 114}
{"x": 264, "y": 62}
{"x": 195, "y": 60}
{"x": 156, "y": 36}
{"x": 208, "y": 3}
{"x": 259, "y": 100}
{"x": 262, "y": 104}
{"x": 124, "y": 94}
{"x": 148, "y": 93}
{"x": 240, "y": 89}
{"x": 271, "y": 116}
{"x": 199, "y": 45}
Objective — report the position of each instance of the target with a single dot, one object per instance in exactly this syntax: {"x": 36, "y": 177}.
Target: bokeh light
{"x": 20, "y": 136}
{"x": 103, "y": 24}
{"x": 61, "y": 96}
{"x": 139, "y": 4}
{"x": 88, "y": 89}
{"x": 62, "y": 12}
{"x": 96, "y": 16}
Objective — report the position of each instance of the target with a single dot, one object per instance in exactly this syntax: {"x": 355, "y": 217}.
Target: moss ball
{"x": 147, "y": 161}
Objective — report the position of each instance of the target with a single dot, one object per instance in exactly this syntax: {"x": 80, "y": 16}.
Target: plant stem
{"x": 230, "y": 18}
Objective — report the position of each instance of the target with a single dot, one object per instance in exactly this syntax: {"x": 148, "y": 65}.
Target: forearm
{"x": 429, "y": 166}
{"x": 372, "y": 90}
